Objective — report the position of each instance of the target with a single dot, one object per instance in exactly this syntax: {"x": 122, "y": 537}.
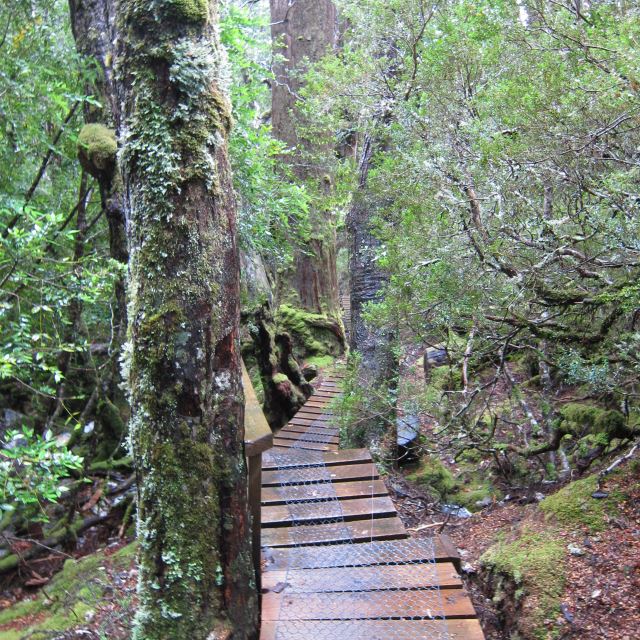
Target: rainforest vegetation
{"x": 188, "y": 184}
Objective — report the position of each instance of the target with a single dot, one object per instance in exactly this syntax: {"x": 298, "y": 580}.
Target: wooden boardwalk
{"x": 338, "y": 563}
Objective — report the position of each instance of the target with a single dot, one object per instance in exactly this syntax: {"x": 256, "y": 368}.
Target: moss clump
{"x": 97, "y": 148}
{"x": 573, "y": 505}
{"x": 193, "y": 10}
{"x": 322, "y": 362}
{"x": 433, "y": 474}
{"x": 470, "y": 496}
{"x": 313, "y": 334}
{"x": 445, "y": 378}
{"x": 583, "y": 417}
{"x": 279, "y": 378}
{"x": 72, "y": 594}
{"x": 532, "y": 567}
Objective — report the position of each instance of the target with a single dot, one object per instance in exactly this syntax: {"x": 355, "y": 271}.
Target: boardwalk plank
{"x": 363, "y": 578}
{"x": 377, "y": 529}
{"x": 274, "y": 478}
{"x": 368, "y": 554}
{"x": 307, "y": 436}
{"x": 356, "y": 509}
{"x": 314, "y": 428}
{"x": 331, "y": 458}
{"x": 313, "y": 446}
{"x": 365, "y": 604}
{"x": 341, "y": 490}
{"x": 373, "y": 630}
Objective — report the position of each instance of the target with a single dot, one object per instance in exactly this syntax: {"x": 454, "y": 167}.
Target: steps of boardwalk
{"x": 338, "y": 563}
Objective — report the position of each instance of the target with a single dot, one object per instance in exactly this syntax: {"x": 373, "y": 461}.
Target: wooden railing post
{"x": 257, "y": 438}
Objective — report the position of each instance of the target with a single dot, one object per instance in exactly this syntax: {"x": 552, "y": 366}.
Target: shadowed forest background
{"x": 462, "y": 175}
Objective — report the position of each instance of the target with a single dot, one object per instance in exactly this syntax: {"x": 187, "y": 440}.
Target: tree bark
{"x": 94, "y": 31}
{"x": 196, "y": 577}
{"x": 303, "y": 32}
{"x": 377, "y": 366}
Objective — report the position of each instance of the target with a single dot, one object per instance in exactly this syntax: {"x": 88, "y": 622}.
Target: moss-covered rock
{"x": 474, "y": 496}
{"x": 527, "y": 578}
{"x": 434, "y": 476}
{"x": 97, "y": 148}
{"x": 581, "y": 418}
{"x": 573, "y": 506}
{"x": 446, "y": 378}
{"x": 69, "y": 599}
{"x": 313, "y": 334}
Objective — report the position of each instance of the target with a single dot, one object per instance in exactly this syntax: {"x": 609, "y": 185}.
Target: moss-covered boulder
{"x": 578, "y": 418}
{"x": 434, "y": 477}
{"x": 470, "y": 490}
{"x": 97, "y": 148}
{"x": 314, "y": 335}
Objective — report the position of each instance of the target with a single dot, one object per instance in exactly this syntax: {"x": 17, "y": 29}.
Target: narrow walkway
{"x": 338, "y": 563}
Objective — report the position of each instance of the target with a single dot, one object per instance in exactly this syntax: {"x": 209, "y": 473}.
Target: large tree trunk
{"x": 304, "y": 31}
{"x": 196, "y": 577}
{"x": 377, "y": 362}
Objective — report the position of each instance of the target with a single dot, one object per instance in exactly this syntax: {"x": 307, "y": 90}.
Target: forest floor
{"x": 601, "y": 597}
{"x": 93, "y": 596}
{"x": 598, "y": 541}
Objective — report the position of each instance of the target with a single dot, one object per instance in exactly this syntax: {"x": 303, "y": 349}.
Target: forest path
{"x": 338, "y": 562}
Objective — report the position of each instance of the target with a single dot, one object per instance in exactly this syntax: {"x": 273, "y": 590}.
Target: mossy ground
{"x": 534, "y": 564}
{"x": 467, "y": 489}
{"x": 528, "y": 573}
{"x": 322, "y": 362}
{"x": 574, "y": 507}
{"x": 70, "y": 599}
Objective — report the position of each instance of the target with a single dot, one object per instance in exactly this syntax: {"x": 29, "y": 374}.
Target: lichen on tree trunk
{"x": 196, "y": 576}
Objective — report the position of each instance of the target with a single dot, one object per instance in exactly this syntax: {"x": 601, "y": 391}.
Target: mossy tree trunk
{"x": 93, "y": 26}
{"x": 377, "y": 363}
{"x": 196, "y": 576}
{"x": 303, "y": 32}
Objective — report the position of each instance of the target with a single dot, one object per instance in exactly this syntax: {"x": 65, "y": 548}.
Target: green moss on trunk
{"x": 182, "y": 360}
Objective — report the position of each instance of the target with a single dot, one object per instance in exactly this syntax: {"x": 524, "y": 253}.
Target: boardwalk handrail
{"x": 257, "y": 439}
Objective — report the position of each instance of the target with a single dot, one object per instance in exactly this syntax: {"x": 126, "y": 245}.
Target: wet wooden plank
{"x": 368, "y": 554}
{"x": 307, "y": 436}
{"x": 312, "y": 416}
{"x": 336, "y": 473}
{"x": 365, "y": 604}
{"x": 312, "y": 446}
{"x": 341, "y": 490}
{"x": 373, "y": 630}
{"x": 331, "y": 458}
{"x": 407, "y": 576}
{"x": 319, "y": 404}
{"x": 356, "y": 509}
{"x": 309, "y": 422}
{"x": 377, "y": 529}
{"x": 319, "y": 427}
